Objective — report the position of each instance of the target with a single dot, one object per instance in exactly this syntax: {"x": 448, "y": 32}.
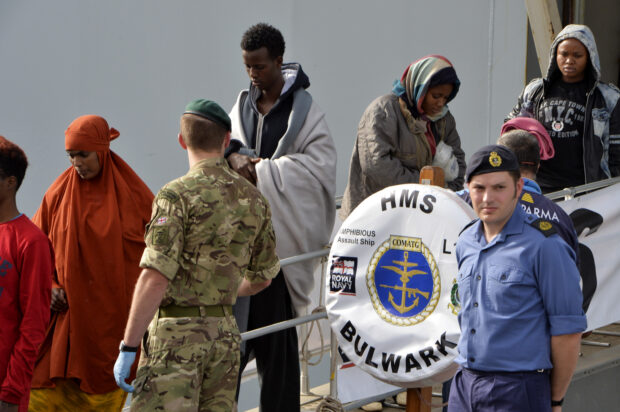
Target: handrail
{"x": 570, "y": 192}
{"x": 305, "y": 256}
{"x": 276, "y": 327}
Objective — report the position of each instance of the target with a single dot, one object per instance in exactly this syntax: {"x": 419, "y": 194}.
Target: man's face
{"x": 572, "y": 60}
{"x": 494, "y": 197}
{"x": 263, "y": 70}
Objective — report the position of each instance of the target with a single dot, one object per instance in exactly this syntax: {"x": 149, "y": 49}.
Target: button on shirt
{"x": 516, "y": 292}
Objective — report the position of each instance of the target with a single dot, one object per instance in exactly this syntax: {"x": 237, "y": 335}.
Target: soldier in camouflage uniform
{"x": 209, "y": 240}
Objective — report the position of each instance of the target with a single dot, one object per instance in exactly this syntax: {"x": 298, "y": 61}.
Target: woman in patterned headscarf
{"x": 94, "y": 214}
{"x": 403, "y": 131}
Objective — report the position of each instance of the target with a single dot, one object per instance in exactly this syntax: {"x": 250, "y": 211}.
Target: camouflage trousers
{"x": 192, "y": 365}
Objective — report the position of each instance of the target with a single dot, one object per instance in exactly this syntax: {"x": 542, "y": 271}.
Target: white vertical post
{"x": 545, "y": 23}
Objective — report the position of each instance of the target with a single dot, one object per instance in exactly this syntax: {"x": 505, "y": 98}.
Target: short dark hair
{"x": 515, "y": 174}
{"x": 201, "y": 133}
{"x": 263, "y": 35}
{"x": 13, "y": 161}
{"x": 525, "y": 146}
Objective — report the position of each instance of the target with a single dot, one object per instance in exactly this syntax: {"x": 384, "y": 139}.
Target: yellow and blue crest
{"x": 403, "y": 281}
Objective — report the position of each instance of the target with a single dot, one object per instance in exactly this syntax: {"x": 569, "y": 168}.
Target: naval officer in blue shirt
{"x": 521, "y": 317}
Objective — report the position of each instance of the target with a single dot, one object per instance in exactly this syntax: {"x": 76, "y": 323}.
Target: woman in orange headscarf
{"x": 94, "y": 214}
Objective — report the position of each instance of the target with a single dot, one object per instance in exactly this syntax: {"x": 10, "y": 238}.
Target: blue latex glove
{"x": 122, "y": 369}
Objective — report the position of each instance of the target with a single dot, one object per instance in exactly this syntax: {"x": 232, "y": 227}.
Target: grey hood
{"x": 585, "y": 36}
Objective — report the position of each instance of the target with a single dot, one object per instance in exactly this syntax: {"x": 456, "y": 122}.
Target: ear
{"x": 226, "y": 140}
{"x": 279, "y": 61}
{"x": 520, "y": 184}
{"x": 11, "y": 183}
{"x": 182, "y": 142}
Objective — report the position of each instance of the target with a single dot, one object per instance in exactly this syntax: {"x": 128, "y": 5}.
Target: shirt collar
{"x": 210, "y": 162}
{"x": 531, "y": 186}
{"x": 513, "y": 226}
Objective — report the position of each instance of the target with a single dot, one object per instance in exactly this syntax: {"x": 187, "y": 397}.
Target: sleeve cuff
{"x": 153, "y": 259}
{"x": 564, "y": 325}
{"x": 263, "y": 275}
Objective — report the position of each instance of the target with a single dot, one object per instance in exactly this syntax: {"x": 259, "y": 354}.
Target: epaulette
{"x": 169, "y": 195}
{"x": 546, "y": 227}
{"x": 468, "y": 225}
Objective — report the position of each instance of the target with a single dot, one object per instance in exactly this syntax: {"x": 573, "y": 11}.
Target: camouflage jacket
{"x": 208, "y": 230}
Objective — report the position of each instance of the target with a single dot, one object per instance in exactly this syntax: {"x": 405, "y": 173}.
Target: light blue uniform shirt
{"x": 515, "y": 292}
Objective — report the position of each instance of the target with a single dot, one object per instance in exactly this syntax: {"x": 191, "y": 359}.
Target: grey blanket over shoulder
{"x": 299, "y": 181}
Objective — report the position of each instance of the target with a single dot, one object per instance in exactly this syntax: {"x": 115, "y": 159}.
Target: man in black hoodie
{"x": 281, "y": 143}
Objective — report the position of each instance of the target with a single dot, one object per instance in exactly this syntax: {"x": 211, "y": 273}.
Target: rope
{"x": 329, "y": 404}
{"x": 304, "y": 345}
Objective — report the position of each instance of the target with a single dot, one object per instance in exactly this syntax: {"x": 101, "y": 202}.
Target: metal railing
{"x": 571, "y": 192}
{"x": 320, "y": 313}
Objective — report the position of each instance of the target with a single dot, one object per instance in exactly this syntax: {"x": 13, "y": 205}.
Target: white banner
{"x": 596, "y": 217}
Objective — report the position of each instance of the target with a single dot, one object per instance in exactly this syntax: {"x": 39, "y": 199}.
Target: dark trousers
{"x": 474, "y": 391}
{"x": 277, "y": 354}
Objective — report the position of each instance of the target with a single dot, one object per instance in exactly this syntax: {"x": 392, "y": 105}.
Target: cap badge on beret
{"x": 495, "y": 160}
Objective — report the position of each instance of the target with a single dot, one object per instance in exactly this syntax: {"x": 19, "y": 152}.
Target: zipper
{"x": 586, "y": 125}
{"x": 259, "y": 133}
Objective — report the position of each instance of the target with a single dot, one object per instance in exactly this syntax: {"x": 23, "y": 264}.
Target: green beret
{"x": 493, "y": 158}
{"x": 209, "y": 110}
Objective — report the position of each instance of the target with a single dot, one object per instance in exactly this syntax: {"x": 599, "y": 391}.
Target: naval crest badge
{"x": 544, "y": 225}
{"x": 403, "y": 281}
{"x": 495, "y": 160}
{"x": 455, "y": 299}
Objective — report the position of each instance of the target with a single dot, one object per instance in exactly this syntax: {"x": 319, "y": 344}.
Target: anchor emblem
{"x": 405, "y": 273}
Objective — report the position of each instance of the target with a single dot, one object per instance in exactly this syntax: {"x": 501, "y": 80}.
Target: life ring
{"x": 391, "y": 294}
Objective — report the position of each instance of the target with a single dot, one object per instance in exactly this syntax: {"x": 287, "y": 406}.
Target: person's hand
{"x": 244, "y": 165}
{"x": 59, "y": 300}
{"x": 8, "y": 407}
{"x": 122, "y": 368}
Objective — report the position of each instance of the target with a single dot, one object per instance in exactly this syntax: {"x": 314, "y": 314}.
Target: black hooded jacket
{"x": 601, "y": 134}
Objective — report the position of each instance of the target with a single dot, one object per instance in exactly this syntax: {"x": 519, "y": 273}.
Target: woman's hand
{"x": 59, "y": 300}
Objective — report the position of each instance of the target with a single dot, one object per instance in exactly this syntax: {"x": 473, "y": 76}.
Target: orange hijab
{"x": 97, "y": 229}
